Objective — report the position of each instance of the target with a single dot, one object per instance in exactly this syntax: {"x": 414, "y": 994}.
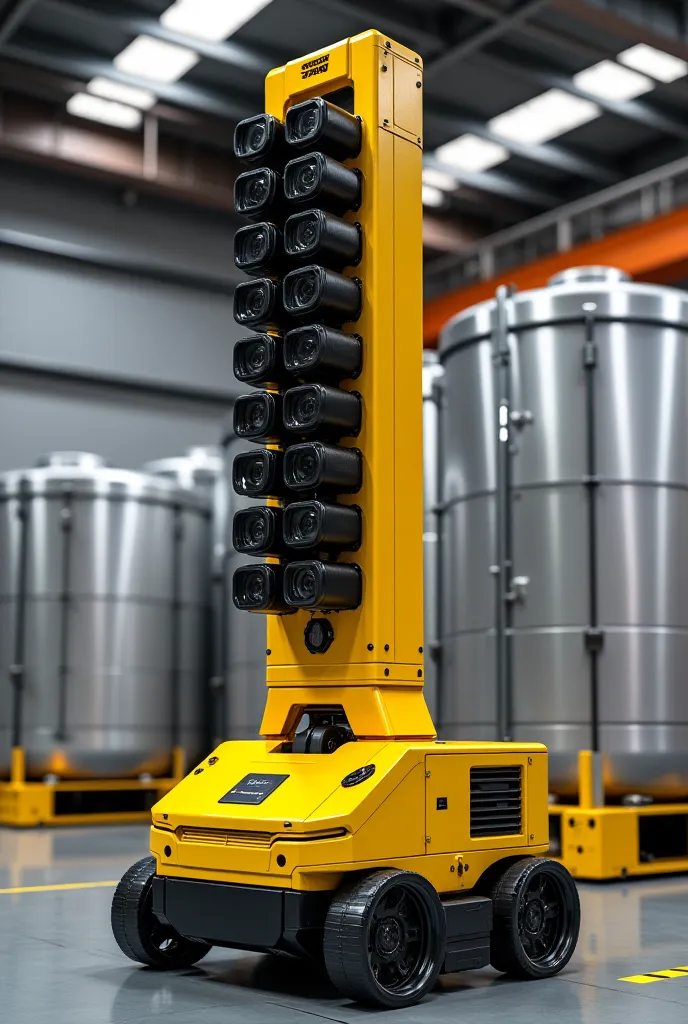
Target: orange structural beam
{"x": 655, "y": 250}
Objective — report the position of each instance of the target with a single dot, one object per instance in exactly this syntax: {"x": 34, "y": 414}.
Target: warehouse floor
{"x": 59, "y": 963}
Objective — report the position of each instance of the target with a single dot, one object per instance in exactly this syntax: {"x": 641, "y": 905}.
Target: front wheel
{"x": 384, "y": 938}
{"x": 138, "y": 932}
{"x": 536, "y": 919}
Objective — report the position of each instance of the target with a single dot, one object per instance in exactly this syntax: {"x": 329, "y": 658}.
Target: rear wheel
{"x": 384, "y": 938}
{"x": 138, "y": 932}
{"x": 536, "y": 919}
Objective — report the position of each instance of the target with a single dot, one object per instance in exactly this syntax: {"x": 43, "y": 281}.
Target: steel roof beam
{"x": 10, "y": 21}
{"x": 499, "y": 184}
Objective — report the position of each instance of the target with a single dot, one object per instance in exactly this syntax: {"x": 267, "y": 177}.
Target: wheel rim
{"x": 164, "y": 939}
{"x": 399, "y": 941}
{"x": 543, "y": 919}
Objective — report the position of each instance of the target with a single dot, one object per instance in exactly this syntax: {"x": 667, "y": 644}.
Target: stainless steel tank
{"x": 103, "y": 607}
{"x": 565, "y": 526}
{"x": 432, "y": 374}
{"x": 246, "y": 634}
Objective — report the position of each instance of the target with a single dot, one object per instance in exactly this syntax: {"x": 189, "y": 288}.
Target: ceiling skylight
{"x": 97, "y": 109}
{"x": 432, "y": 196}
{"x": 151, "y": 58}
{"x": 544, "y": 117}
{"x": 144, "y": 99}
{"x": 439, "y": 179}
{"x": 471, "y": 153}
{"x": 664, "y": 67}
{"x": 210, "y": 19}
{"x": 612, "y": 81}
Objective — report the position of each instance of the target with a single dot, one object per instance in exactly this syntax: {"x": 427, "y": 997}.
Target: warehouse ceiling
{"x": 528, "y": 103}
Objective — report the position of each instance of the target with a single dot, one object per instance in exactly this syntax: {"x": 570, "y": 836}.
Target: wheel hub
{"x": 535, "y": 917}
{"x": 388, "y": 938}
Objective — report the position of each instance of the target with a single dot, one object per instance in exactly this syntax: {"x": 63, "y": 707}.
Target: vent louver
{"x": 496, "y": 806}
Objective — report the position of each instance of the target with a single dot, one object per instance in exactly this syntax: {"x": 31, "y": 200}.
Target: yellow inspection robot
{"x": 348, "y": 834}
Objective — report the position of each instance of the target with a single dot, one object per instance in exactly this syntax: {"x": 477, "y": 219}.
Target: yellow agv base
{"x": 26, "y": 804}
{"x": 600, "y": 843}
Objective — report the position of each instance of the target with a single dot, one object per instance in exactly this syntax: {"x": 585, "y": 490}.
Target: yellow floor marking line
{"x": 57, "y": 888}
{"x": 652, "y": 976}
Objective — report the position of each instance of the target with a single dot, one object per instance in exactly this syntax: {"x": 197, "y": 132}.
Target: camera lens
{"x": 322, "y": 525}
{"x": 259, "y": 588}
{"x": 257, "y": 531}
{"x": 258, "y": 474}
{"x": 305, "y": 585}
{"x": 305, "y": 290}
{"x": 256, "y": 302}
{"x": 315, "y": 292}
{"x": 323, "y": 237}
{"x": 306, "y": 177}
{"x": 256, "y": 135}
{"x": 319, "y": 178}
{"x": 319, "y": 123}
{"x": 305, "y": 527}
{"x": 257, "y": 138}
{"x": 306, "y": 234}
{"x": 258, "y": 360}
{"x": 316, "y": 584}
{"x": 305, "y": 347}
{"x": 318, "y": 467}
{"x": 306, "y": 122}
{"x": 256, "y": 416}
{"x": 255, "y": 192}
{"x": 311, "y": 407}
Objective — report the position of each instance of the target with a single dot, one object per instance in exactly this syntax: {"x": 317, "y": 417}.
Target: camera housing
{"x": 321, "y": 353}
{"x": 258, "y": 249}
{"x": 317, "y": 525}
{"x": 316, "y": 467}
{"x": 259, "y": 474}
{"x": 315, "y": 293}
{"x": 258, "y": 192}
{"x": 317, "y": 408}
{"x": 317, "y": 235}
{"x": 257, "y": 417}
{"x": 259, "y": 360}
{"x": 258, "y": 304}
{"x": 320, "y": 181}
{"x": 259, "y": 138}
{"x": 329, "y": 585}
{"x": 260, "y": 588}
{"x": 258, "y": 530}
{"x": 317, "y": 124}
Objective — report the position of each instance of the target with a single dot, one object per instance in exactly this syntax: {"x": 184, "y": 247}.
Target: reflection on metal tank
{"x": 432, "y": 374}
{"x": 102, "y": 617}
{"x": 246, "y": 634}
{"x": 565, "y": 526}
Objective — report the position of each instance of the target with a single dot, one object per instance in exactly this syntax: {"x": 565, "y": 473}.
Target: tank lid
{"x": 72, "y": 460}
{"x": 589, "y": 275}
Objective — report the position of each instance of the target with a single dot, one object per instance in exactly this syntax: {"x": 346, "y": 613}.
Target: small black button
{"x": 358, "y": 776}
{"x": 441, "y": 803}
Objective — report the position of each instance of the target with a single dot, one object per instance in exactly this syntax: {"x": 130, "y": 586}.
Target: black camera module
{"x": 258, "y": 360}
{"x": 317, "y": 124}
{"x": 258, "y": 530}
{"x": 317, "y": 408}
{"x": 326, "y": 468}
{"x": 258, "y": 304}
{"x": 259, "y": 474}
{"x": 257, "y": 193}
{"x": 258, "y": 248}
{"x": 259, "y": 138}
{"x": 260, "y": 588}
{"x": 320, "y": 181}
{"x": 322, "y": 353}
{"x": 330, "y": 585}
{"x": 310, "y": 525}
{"x": 316, "y": 235}
{"x": 315, "y": 293}
{"x": 257, "y": 417}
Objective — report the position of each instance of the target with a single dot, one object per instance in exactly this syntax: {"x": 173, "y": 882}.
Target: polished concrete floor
{"x": 59, "y": 963}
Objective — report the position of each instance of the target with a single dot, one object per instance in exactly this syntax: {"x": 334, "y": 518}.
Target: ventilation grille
{"x": 225, "y": 837}
{"x": 495, "y": 802}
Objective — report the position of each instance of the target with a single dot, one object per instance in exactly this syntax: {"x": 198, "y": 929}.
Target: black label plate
{"x": 253, "y": 789}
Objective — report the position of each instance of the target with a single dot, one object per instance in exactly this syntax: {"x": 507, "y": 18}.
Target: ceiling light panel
{"x": 439, "y": 179}
{"x": 144, "y": 99}
{"x": 212, "y": 20}
{"x": 663, "y": 67}
{"x": 154, "y": 59}
{"x": 97, "y": 109}
{"x": 432, "y": 196}
{"x": 471, "y": 153}
{"x": 550, "y": 114}
{"x": 612, "y": 81}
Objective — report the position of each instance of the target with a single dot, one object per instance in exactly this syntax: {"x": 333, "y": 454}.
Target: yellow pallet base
{"x": 600, "y": 843}
{"x": 25, "y": 804}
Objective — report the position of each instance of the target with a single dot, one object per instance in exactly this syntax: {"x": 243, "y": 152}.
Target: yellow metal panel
{"x": 408, "y": 113}
{"x": 371, "y": 711}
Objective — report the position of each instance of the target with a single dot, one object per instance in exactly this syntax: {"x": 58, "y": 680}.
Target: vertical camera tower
{"x": 339, "y": 251}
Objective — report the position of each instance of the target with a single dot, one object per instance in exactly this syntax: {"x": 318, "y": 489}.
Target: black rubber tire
{"x": 352, "y": 928}
{"x": 515, "y": 940}
{"x": 137, "y": 931}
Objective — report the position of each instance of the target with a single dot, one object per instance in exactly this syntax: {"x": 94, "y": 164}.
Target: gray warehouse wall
{"x": 116, "y": 336}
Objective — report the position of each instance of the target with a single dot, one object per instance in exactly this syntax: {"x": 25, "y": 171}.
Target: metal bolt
{"x": 384, "y": 67}
{"x": 466, "y": 866}
{"x": 386, "y": 121}
{"x": 420, "y": 650}
{"x": 213, "y": 760}
{"x": 420, "y": 673}
{"x": 428, "y": 839}
{"x": 418, "y": 85}
{"x": 452, "y": 868}
{"x": 387, "y": 43}
{"x": 268, "y": 652}
{"x": 532, "y": 836}
{"x": 386, "y": 647}
{"x": 530, "y": 760}
{"x": 417, "y": 60}
{"x": 371, "y": 647}
{"x": 165, "y": 817}
{"x": 428, "y": 774}
{"x": 198, "y": 771}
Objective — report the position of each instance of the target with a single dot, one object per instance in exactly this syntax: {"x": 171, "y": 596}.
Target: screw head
{"x": 371, "y": 647}
{"x": 198, "y": 771}
{"x": 386, "y": 647}
{"x": 384, "y": 67}
{"x": 418, "y": 85}
{"x": 386, "y": 671}
{"x": 213, "y": 760}
{"x": 268, "y": 652}
{"x": 420, "y": 673}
